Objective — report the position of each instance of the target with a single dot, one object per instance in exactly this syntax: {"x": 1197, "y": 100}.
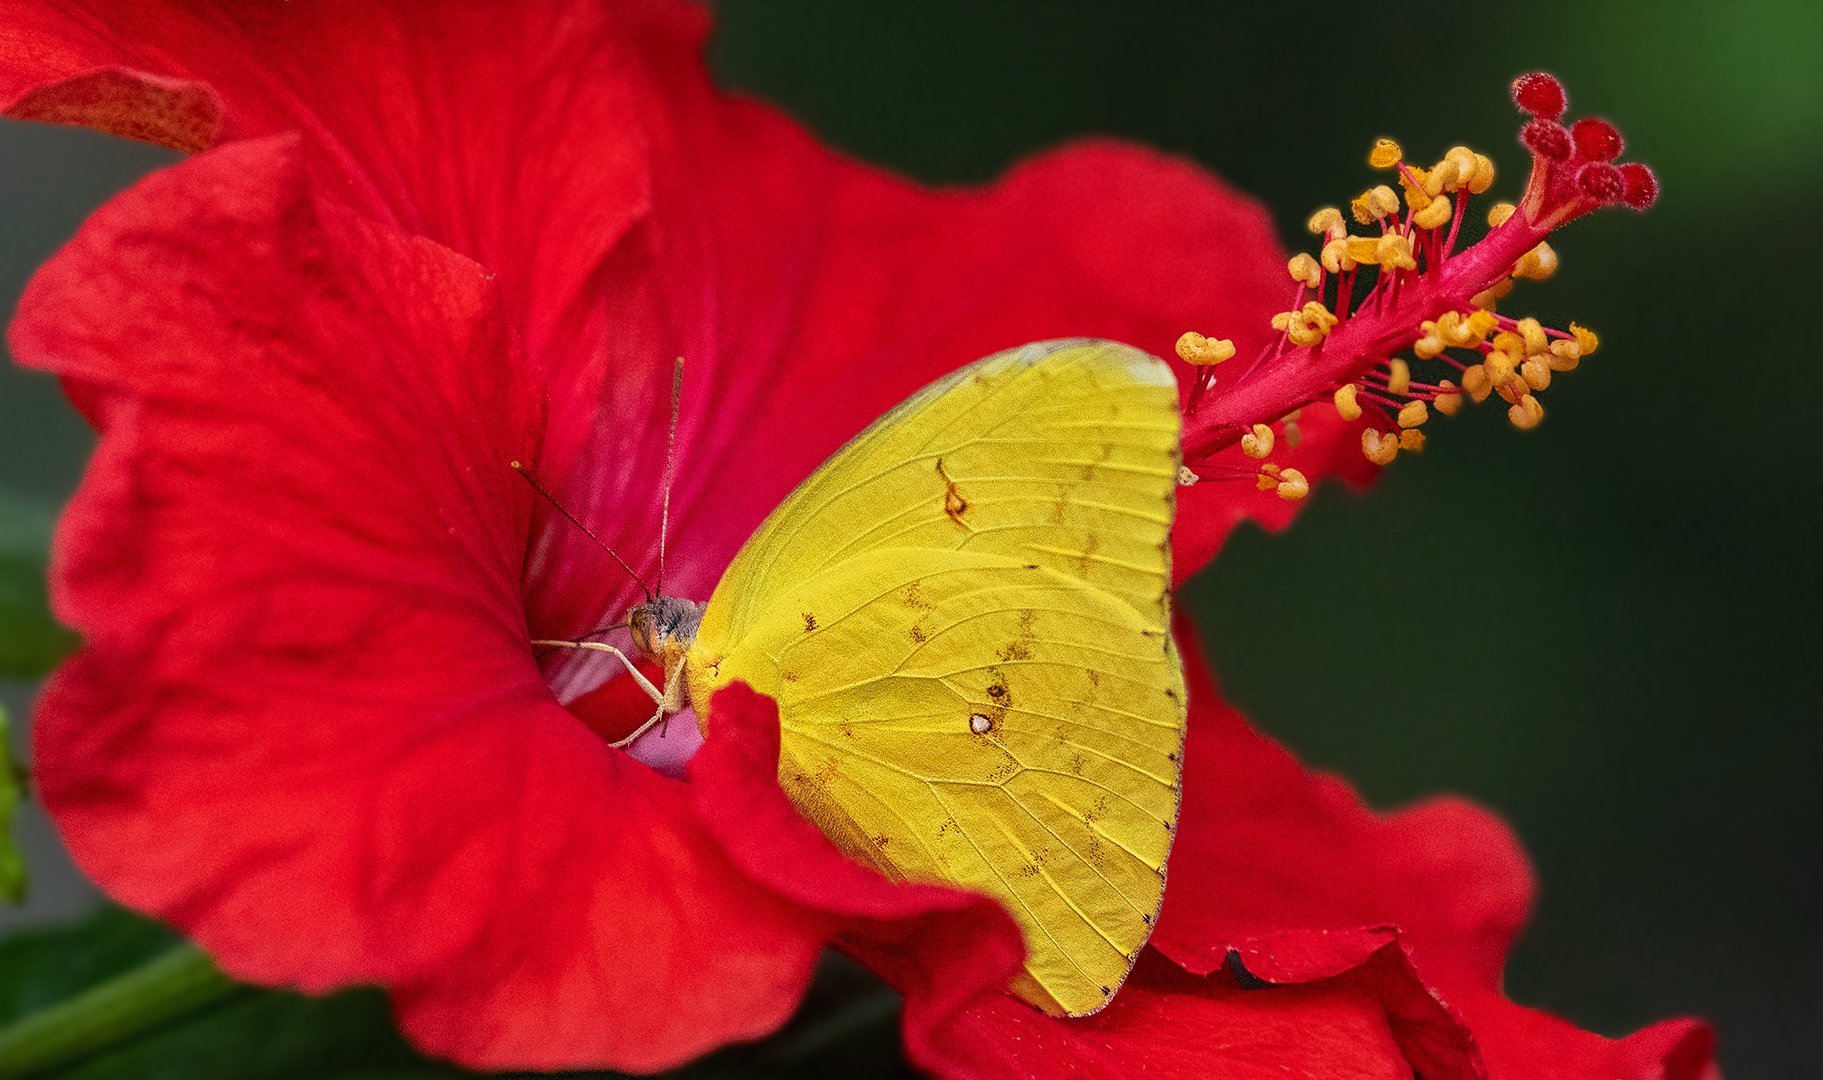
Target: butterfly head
{"x": 664, "y": 628}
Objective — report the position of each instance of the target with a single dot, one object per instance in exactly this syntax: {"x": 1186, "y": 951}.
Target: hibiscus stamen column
{"x": 1340, "y": 342}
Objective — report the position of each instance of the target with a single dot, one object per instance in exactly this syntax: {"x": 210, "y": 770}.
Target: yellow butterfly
{"x": 964, "y": 618}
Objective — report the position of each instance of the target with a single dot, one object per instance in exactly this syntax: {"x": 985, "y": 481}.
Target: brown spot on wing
{"x": 953, "y": 503}
{"x": 914, "y": 596}
{"x": 810, "y": 622}
{"x": 997, "y": 689}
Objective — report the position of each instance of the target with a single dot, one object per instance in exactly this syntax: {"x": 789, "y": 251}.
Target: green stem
{"x": 178, "y": 982}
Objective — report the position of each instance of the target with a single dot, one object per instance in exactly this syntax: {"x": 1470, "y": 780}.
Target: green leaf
{"x": 13, "y": 876}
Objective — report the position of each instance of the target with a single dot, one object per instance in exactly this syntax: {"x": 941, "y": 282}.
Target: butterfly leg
{"x": 668, "y": 700}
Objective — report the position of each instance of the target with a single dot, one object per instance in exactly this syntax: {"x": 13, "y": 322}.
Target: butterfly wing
{"x": 963, "y": 616}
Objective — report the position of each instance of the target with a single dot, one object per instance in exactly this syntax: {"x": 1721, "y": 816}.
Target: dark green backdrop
{"x": 1604, "y": 629}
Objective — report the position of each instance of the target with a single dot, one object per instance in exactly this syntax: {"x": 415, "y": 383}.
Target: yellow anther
{"x": 1514, "y": 390}
{"x": 1455, "y": 331}
{"x": 1374, "y": 204}
{"x": 1510, "y": 343}
{"x": 1415, "y": 196}
{"x": 1364, "y": 249}
{"x": 1265, "y": 482}
{"x": 1186, "y": 478}
{"x": 1499, "y": 212}
{"x": 1194, "y": 348}
{"x": 1336, "y": 257}
{"x": 1411, "y": 439}
{"x": 1305, "y": 270}
{"x": 1434, "y": 216}
{"x": 1413, "y": 414}
{"x": 1385, "y": 154}
{"x": 1430, "y": 344}
{"x": 1526, "y": 413}
{"x": 1310, "y": 325}
{"x": 1499, "y": 367}
{"x": 1465, "y": 165}
{"x": 1565, "y": 354}
{"x": 1327, "y": 221}
{"x": 1442, "y": 177}
{"x": 1380, "y": 451}
{"x": 1398, "y": 375}
{"x": 1483, "y": 177}
{"x": 1537, "y": 264}
{"x": 1447, "y": 404}
{"x": 1346, "y": 405}
{"x": 1292, "y": 485}
{"x": 1395, "y": 251}
{"x": 1478, "y": 383}
{"x": 1536, "y": 373}
{"x": 1281, "y": 320}
{"x": 1535, "y": 340}
{"x": 1586, "y": 338}
{"x": 1258, "y": 442}
{"x": 1482, "y": 323}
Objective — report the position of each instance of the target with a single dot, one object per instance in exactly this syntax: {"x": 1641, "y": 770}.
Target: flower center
{"x": 1345, "y": 327}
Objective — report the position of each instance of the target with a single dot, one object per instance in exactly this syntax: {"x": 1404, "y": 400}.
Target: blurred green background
{"x": 1604, "y": 629}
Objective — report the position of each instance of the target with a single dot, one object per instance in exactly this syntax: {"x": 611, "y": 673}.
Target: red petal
{"x": 1290, "y": 872}
{"x": 509, "y": 132}
{"x": 1166, "y": 1022}
{"x": 632, "y": 214}
{"x": 808, "y": 293}
{"x": 306, "y": 726}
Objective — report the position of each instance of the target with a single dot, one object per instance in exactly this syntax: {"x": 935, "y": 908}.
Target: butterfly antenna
{"x": 664, "y": 522}
{"x": 520, "y": 469}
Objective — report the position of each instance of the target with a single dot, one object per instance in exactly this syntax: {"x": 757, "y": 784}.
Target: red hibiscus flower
{"x": 306, "y": 725}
